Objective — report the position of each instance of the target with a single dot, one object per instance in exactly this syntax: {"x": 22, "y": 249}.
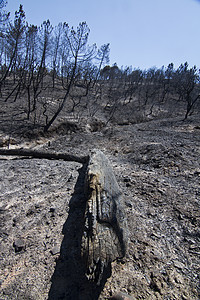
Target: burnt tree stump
{"x": 105, "y": 233}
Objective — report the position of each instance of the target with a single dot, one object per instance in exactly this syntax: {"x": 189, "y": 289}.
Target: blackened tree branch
{"x": 44, "y": 155}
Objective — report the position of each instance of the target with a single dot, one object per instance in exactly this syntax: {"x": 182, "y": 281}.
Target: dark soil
{"x": 157, "y": 165}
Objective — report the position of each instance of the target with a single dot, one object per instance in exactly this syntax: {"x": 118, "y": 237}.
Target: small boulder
{"x": 55, "y": 250}
{"x": 19, "y": 245}
{"x": 121, "y": 296}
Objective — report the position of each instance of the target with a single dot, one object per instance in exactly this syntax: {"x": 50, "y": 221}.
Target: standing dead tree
{"x": 14, "y": 40}
{"x": 79, "y": 53}
{"x": 81, "y": 66}
{"x": 186, "y": 84}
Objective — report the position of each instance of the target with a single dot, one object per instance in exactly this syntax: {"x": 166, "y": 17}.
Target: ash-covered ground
{"x": 157, "y": 165}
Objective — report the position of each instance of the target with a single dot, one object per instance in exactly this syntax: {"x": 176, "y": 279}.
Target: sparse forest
{"x": 50, "y": 74}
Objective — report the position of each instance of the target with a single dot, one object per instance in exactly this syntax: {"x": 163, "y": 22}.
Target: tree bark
{"x": 105, "y": 231}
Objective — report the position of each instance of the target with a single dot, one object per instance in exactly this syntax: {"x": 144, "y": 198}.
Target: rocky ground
{"x": 157, "y": 165}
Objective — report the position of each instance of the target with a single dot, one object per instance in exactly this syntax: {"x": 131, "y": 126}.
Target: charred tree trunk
{"x": 105, "y": 233}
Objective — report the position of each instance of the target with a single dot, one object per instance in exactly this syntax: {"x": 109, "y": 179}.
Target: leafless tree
{"x": 14, "y": 40}
{"x": 186, "y": 84}
{"x": 79, "y": 53}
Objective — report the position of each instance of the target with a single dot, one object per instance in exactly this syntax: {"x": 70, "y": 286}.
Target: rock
{"x": 14, "y": 222}
{"x": 121, "y": 296}
{"x": 53, "y": 212}
{"x": 127, "y": 179}
{"x": 19, "y": 245}
{"x": 156, "y": 283}
{"x": 105, "y": 235}
{"x": 70, "y": 178}
{"x": 55, "y": 250}
{"x": 179, "y": 265}
{"x": 136, "y": 256}
{"x": 52, "y": 209}
{"x": 2, "y": 209}
{"x": 128, "y": 204}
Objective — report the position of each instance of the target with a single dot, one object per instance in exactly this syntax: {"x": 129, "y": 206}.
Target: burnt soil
{"x": 157, "y": 166}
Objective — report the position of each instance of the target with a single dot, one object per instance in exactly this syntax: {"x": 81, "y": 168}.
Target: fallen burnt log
{"x": 43, "y": 155}
{"x": 105, "y": 233}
